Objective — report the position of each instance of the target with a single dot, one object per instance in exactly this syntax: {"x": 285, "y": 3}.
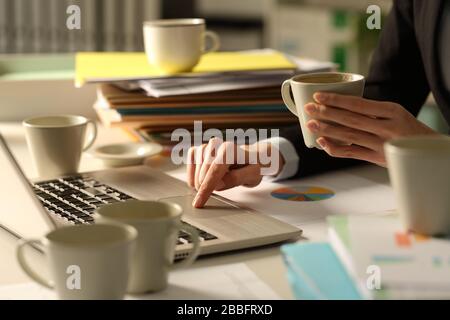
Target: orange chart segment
{"x": 302, "y": 193}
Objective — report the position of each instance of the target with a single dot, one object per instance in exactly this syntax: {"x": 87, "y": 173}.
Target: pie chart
{"x": 302, "y": 193}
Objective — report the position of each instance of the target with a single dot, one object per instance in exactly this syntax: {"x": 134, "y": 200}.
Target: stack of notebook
{"x": 370, "y": 257}
{"x": 225, "y": 90}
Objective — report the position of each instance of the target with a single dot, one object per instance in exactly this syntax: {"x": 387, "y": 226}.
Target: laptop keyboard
{"x": 75, "y": 199}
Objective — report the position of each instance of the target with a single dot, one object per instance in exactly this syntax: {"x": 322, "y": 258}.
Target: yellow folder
{"x": 116, "y": 66}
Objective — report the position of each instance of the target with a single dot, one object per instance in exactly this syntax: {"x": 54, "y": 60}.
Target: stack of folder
{"x": 225, "y": 90}
{"x": 369, "y": 257}
{"x": 245, "y": 108}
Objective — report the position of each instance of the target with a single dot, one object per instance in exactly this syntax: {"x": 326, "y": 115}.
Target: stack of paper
{"x": 408, "y": 265}
{"x": 225, "y": 90}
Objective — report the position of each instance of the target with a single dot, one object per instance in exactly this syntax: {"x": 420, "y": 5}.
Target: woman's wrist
{"x": 268, "y": 157}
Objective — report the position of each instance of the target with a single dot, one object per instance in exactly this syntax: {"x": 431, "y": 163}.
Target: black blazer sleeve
{"x": 397, "y": 71}
{"x": 396, "y": 74}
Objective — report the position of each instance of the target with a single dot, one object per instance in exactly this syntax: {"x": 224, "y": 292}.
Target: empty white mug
{"x": 158, "y": 224}
{"x": 56, "y": 142}
{"x": 86, "y": 262}
{"x": 419, "y": 169}
{"x": 176, "y": 45}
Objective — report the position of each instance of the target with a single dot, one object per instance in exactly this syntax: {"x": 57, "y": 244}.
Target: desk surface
{"x": 265, "y": 262}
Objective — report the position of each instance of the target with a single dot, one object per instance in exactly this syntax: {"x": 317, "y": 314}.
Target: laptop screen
{"x": 20, "y": 211}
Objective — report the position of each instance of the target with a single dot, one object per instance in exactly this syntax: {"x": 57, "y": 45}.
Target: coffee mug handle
{"x": 286, "y": 95}
{"x": 24, "y": 264}
{"x": 215, "y": 41}
{"x": 195, "y": 248}
{"x": 92, "y": 136}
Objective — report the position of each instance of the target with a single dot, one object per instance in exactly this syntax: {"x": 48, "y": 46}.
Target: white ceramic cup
{"x": 158, "y": 224}
{"x": 419, "y": 169}
{"x": 176, "y": 45}
{"x": 56, "y": 143}
{"x": 86, "y": 262}
{"x": 303, "y": 88}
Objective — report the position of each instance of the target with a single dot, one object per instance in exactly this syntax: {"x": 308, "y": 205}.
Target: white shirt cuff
{"x": 290, "y": 156}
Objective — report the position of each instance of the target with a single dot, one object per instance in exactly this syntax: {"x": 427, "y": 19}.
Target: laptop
{"x": 71, "y": 200}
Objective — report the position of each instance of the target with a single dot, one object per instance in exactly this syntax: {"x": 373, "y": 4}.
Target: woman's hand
{"x": 363, "y": 125}
{"x": 219, "y": 165}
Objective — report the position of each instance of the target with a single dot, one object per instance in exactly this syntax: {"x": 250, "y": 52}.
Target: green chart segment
{"x": 302, "y": 193}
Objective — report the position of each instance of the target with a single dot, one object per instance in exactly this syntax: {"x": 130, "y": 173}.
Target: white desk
{"x": 369, "y": 183}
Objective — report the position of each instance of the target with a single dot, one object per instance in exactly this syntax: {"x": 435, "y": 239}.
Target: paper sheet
{"x": 222, "y": 82}
{"x": 358, "y": 190}
{"x": 234, "y": 281}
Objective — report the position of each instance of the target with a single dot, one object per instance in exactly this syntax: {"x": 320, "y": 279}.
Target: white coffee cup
{"x": 419, "y": 169}
{"x": 86, "y": 262}
{"x": 303, "y": 88}
{"x": 158, "y": 224}
{"x": 176, "y": 45}
{"x": 56, "y": 142}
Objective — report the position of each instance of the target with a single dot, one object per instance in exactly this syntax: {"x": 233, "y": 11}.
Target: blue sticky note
{"x": 315, "y": 272}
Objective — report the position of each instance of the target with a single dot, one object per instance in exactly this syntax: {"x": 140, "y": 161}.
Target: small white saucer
{"x": 125, "y": 154}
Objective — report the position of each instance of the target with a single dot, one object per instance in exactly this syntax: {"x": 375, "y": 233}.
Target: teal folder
{"x": 316, "y": 273}
{"x": 136, "y": 110}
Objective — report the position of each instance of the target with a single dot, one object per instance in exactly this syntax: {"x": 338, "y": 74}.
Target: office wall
{"x": 332, "y": 30}
{"x": 39, "y": 26}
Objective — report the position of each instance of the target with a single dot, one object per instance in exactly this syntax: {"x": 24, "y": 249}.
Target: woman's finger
{"x": 198, "y": 164}
{"x": 352, "y": 151}
{"x": 212, "y": 181}
{"x": 346, "y": 135}
{"x": 347, "y": 118}
{"x": 355, "y": 104}
{"x": 208, "y": 157}
{"x": 190, "y": 168}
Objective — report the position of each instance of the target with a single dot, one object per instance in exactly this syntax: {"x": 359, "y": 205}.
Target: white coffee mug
{"x": 56, "y": 142}
{"x": 303, "y": 88}
{"x": 176, "y": 45}
{"x": 419, "y": 169}
{"x": 86, "y": 262}
{"x": 158, "y": 225}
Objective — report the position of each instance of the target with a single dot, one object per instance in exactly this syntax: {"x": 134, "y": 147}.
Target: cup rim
{"x": 130, "y": 236}
{"x": 400, "y": 145}
{"x": 100, "y": 211}
{"x": 171, "y": 23}
{"x": 355, "y": 78}
{"x": 28, "y": 121}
